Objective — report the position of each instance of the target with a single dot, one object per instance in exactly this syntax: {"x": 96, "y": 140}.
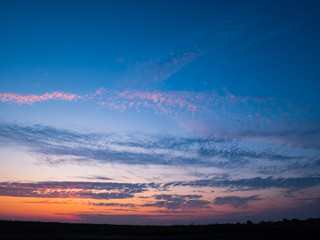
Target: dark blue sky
{"x": 269, "y": 48}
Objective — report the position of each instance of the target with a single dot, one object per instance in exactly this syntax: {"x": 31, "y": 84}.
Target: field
{"x": 286, "y": 229}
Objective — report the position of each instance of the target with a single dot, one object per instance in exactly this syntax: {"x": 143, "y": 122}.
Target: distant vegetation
{"x": 285, "y": 229}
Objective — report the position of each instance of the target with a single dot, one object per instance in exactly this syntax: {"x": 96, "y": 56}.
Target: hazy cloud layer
{"x": 114, "y": 190}
{"x": 236, "y": 201}
{"x": 212, "y": 113}
{"x": 165, "y": 201}
{"x": 103, "y": 191}
{"x": 207, "y": 114}
{"x": 54, "y": 96}
{"x": 248, "y": 184}
{"x": 30, "y": 99}
{"x": 238, "y": 27}
{"x": 93, "y": 190}
{"x": 114, "y": 205}
{"x": 59, "y": 145}
{"x": 174, "y": 201}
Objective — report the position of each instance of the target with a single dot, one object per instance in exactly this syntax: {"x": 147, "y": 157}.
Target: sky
{"x": 159, "y": 112}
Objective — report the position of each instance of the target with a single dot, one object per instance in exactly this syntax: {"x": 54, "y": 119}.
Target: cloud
{"x": 230, "y": 28}
{"x": 173, "y": 197}
{"x": 167, "y": 201}
{"x": 114, "y": 190}
{"x": 95, "y": 177}
{"x": 56, "y": 96}
{"x": 248, "y": 184}
{"x": 157, "y": 70}
{"x": 309, "y": 208}
{"x": 236, "y": 201}
{"x": 114, "y": 205}
{"x": 160, "y": 102}
{"x": 52, "y": 202}
{"x": 55, "y": 146}
{"x": 30, "y": 99}
{"x": 169, "y": 59}
{"x": 88, "y": 190}
{"x": 174, "y": 201}
{"x": 207, "y": 113}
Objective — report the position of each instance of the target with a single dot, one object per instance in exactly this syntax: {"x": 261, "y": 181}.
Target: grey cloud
{"x": 174, "y": 201}
{"x": 246, "y": 184}
{"x": 65, "y": 145}
{"x": 172, "y": 197}
{"x": 95, "y": 177}
{"x": 168, "y": 201}
{"x": 301, "y": 210}
{"x": 93, "y": 190}
{"x": 235, "y": 201}
{"x": 114, "y": 205}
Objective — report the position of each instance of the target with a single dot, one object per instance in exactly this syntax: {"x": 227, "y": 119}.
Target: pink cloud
{"x": 159, "y": 102}
{"x": 30, "y": 99}
{"x": 206, "y": 112}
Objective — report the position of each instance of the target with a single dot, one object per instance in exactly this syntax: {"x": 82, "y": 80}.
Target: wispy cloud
{"x": 155, "y": 71}
{"x": 141, "y": 196}
{"x": 230, "y": 28}
{"x": 56, "y": 96}
{"x": 207, "y": 114}
{"x": 248, "y": 184}
{"x": 64, "y": 202}
{"x": 30, "y": 99}
{"x": 116, "y": 190}
{"x": 58, "y": 146}
{"x": 164, "y": 201}
{"x": 102, "y": 191}
{"x": 160, "y": 102}
{"x": 55, "y": 146}
{"x": 88, "y": 190}
{"x": 236, "y": 201}
{"x": 174, "y": 201}
{"x": 114, "y": 205}
{"x": 95, "y": 177}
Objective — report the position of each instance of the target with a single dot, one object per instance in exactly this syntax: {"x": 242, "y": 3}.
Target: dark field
{"x": 294, "y": 229}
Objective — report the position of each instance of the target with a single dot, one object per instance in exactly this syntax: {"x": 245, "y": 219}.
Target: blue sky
{"x": 218, "y": 100}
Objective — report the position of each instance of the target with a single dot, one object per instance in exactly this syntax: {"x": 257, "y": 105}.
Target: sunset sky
{"x": 159, "y": 112}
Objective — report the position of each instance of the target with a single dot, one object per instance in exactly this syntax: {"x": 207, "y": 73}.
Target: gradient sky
{"x": 159, "y": 112}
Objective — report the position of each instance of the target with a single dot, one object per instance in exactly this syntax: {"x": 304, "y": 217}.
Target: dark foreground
{"x": 294, "y": 229}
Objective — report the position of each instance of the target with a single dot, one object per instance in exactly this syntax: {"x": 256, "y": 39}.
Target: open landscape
{"x": 286, "y": 229}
